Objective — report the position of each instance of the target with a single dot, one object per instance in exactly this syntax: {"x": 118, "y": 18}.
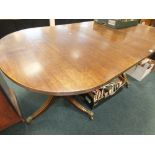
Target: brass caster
{"x": 91, "y": 118}
{"x": 29, "y": 120}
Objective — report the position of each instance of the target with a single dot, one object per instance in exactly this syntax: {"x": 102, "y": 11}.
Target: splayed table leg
{"x": 80, "y": 107}
{"x": 45, "y": 105}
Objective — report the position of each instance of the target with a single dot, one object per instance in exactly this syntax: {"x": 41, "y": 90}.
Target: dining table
{"x": 72, "y": 59}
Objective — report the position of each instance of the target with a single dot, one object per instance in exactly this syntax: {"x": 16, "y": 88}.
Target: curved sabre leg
{"x": 80, "y": 107}
{"x": 41, "y": 109}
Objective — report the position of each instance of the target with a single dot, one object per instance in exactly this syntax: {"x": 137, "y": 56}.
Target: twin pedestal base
{"x": 50, "y": 100}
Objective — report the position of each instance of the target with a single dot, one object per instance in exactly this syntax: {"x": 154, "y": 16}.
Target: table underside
{"x": 50, "y": 100}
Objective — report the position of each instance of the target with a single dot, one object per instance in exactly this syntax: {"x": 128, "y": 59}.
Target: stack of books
{"x": 104, "y": 91}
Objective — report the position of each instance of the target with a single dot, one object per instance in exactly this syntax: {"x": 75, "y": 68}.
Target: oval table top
{"x": 72, "y": 59}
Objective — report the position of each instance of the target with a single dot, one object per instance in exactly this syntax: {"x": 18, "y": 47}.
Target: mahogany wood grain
{"x": 72, "y": 59}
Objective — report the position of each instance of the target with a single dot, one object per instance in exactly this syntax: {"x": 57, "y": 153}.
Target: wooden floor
{"x": 8, "y": 116}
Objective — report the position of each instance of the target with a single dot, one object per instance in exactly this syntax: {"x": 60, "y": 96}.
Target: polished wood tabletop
{"x": 72, "y": 59}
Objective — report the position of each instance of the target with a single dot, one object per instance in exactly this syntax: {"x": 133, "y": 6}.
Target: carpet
{"x": 132, "y": 111}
